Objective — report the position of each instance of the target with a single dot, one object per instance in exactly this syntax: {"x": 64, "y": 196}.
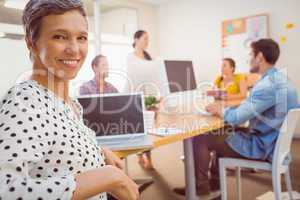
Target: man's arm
{"x": 259, "y": 101}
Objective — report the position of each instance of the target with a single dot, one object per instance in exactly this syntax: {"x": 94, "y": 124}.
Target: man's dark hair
{"x": 269, "y": 49}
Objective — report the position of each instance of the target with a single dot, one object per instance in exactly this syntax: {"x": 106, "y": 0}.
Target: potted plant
{"x": 152, "y": 104}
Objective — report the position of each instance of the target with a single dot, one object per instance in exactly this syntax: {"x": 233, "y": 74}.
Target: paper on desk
{"x": 285, "y": 196}
{"x": 165, "y": 131}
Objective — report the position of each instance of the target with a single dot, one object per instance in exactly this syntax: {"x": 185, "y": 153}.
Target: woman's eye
{"x": 84, "y": 38}
{"x": 59, "y": 37}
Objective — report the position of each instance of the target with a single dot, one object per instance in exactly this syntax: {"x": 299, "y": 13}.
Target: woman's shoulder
{"x": 218, "y": 80}
{"x": 133, "y": 61}
{"x": 239, "y": 77}
{"x": 131, "y": 56}
{"x": 26, "y": 94}
{"x": 20, "y": 89}
{"x": 110, "y": 88}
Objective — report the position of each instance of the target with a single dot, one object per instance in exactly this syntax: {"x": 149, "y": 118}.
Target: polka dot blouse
{"x": 43, "y": 145}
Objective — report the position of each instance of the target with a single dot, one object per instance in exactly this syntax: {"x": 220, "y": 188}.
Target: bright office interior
{"x": 178, "y": 30}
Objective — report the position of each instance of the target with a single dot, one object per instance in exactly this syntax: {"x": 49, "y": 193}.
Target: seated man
{"x": 266, "y": 107}
{"x": 98, "y": 85}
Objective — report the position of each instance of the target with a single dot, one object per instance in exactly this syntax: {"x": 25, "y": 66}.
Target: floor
{"x": 169, "y": 173}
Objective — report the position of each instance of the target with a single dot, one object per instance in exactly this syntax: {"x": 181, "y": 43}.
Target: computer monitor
{"x": 114, "y": 115}
{"x": 180, "y": 75}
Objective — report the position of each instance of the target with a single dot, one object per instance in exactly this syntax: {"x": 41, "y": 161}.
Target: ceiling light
{"x": 16, "y": 4}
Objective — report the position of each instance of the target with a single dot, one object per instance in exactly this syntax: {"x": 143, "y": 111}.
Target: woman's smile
{"x": 70, "y": 63}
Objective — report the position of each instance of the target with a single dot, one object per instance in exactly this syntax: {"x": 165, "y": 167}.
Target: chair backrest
{"x": 284, "y": 140}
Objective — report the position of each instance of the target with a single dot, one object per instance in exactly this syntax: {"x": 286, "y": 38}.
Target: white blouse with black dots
{"x": 43, "y": 145}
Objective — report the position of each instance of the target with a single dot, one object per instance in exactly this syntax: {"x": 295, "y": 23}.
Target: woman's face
{"x": 62, "y": 45}
{"x": 226, "y": 69}
{"x": 143, "y": 41}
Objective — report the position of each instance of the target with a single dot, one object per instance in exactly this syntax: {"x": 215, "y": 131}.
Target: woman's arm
{"x": 106, "y": 179}
{"x": 15, "y": 183}
{"x": 111, "y": 158}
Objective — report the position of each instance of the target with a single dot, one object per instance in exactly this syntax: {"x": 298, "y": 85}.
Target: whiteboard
{"x": 237, "y": 36}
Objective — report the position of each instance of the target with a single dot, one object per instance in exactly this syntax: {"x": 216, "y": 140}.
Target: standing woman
{"x": 141, "y": 42}
{"x": 135, "y": 62}
{"x": 46, "y": 151}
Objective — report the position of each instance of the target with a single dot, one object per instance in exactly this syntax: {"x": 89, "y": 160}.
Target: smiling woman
{"x": 62, "y": 45}
{"x": 58, "y": 43}
{"x": 46, "y": 151}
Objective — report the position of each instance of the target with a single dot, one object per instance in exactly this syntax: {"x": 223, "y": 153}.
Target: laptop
{"x": 117, "y": 119}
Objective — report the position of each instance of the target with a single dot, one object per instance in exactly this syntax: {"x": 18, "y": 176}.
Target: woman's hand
{"x": 108, "y": 179}
{"x": 112, "y": 159}
{"x": 125, "y": 188}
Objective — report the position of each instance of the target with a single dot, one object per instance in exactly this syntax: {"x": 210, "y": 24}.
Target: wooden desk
{"x": 192, "y": 125}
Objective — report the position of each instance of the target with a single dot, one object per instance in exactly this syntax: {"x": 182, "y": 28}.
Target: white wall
{"x": 122, "y": 21}
{"x": 115, "y": 20}
{"x": 192, "y": 29}
{"x": 14, "y": 63}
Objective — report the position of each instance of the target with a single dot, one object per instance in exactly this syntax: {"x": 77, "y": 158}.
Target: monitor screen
{"x": 110, "y": 115}
{"x": 180, "y": 75}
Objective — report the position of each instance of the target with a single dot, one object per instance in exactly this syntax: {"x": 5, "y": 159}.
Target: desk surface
{"x": 191, "y": 124}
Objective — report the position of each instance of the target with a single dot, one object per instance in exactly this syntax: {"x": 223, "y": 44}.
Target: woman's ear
{"x": 135, "y": 41}
{"x": 28, "y": 43}
{"x": 30, "y": 47}
{"x": 94, "y": 68}
{"x": 233, "y": 69}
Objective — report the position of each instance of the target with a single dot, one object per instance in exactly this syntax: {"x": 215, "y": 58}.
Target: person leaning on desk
{"x": 46, "y": 151}
{"x": 266, "y": 107}
{"x": 98, "y": 85}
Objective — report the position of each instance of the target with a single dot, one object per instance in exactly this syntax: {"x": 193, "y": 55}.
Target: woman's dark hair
{"x": 138, "y": 34}
{"x": 231, "y": 63}
{"x": 269, "y": 49}
{"x": 35, "y": 10}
